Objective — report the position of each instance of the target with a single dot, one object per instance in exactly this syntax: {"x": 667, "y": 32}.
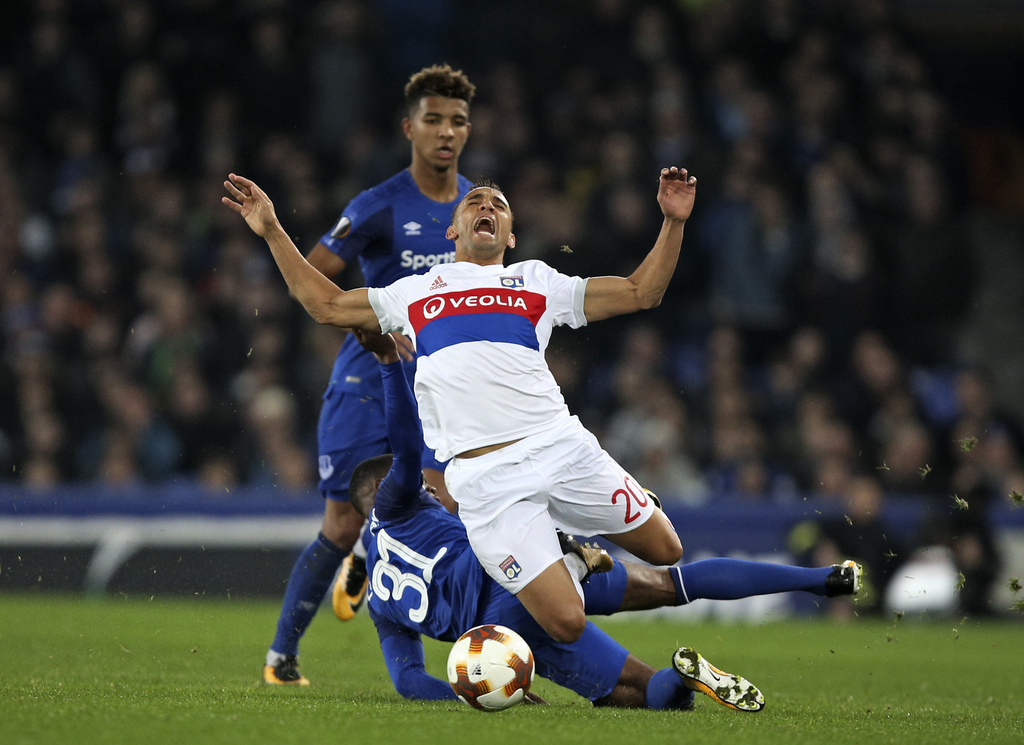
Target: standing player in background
{"x": 394, "y": 229}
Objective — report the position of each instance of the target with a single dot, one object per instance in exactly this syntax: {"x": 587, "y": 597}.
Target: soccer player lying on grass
{"x": 425, "y": 580}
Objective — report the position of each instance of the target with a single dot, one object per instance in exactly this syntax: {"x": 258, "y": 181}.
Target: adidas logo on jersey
{"x": 437, "y": 285}
{"x": 412, "y": 228}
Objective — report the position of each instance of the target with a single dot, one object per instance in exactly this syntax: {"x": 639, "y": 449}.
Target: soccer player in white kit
{"x": 521, "y": 464}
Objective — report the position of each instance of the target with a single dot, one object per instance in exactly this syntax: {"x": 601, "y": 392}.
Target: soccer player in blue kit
{"x": 394, "y": 229}
{"x": 426, "y": 581}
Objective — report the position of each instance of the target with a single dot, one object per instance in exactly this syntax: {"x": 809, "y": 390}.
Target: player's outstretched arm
{"x": 403, "y": 655}
{"x": 644, "y": 288}
{"x": 401, "y": 417}
{"x": 321, "y": 298}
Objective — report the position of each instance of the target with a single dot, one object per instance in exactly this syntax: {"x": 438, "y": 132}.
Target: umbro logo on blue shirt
{"x": 412, "y": 228}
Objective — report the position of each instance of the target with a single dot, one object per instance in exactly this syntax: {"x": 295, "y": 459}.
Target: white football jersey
{"x": 480, "y": 335}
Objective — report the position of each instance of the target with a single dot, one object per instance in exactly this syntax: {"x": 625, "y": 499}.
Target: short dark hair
{"x": 482, "y": 182}
{"x": 360, "y": 487}
{"x": 438, "y": 80}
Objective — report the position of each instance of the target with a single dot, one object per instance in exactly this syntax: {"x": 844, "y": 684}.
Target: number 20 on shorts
{"x": 630, "y": 493}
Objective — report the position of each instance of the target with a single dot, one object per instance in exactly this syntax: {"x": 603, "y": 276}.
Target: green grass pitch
{"x": 161, "y": 671}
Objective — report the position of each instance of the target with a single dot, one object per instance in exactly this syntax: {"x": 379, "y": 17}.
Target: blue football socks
{"x": 311, "y": 576}
{"x": 730, "y": 579}
{"x": 665, "y": 690}
{"x": 603, "y": 592}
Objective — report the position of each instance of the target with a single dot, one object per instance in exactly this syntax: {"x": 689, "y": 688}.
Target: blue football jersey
{"x": 425, "y": 579}
{"x": 394, "y": 231}
{"x": 423, "y": 573}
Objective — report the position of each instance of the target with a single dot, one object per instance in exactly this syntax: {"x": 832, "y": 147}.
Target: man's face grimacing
{"x": 482, "y": 225}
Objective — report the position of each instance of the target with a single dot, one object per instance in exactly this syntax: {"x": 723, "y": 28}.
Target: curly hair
{"x": 438, "y": 80}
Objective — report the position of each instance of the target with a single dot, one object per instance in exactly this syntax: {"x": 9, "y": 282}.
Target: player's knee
{"x": 341, "y": 528}
{"x": 343, "y": 540}
{"x": 667, "y": 550}
{"x": 567, "y": 628}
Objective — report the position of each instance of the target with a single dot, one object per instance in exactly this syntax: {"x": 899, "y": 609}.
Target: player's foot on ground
{"x": 727, "y": 689}
{"x": 349, "y": 588}
{"x": 284, "y": 673}
{"x": 595, "y": 558}
{"x": 845, "y": 579}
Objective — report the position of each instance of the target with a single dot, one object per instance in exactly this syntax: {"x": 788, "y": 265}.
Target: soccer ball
{"x": 490, "y": 668}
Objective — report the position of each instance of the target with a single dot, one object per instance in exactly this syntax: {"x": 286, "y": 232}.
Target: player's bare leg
{"x": 553, "y": 601}
{"x": 647, "y": 588}
{"x": 341, "y": 523}
{"x": 630, "y": 692}
{"x": 655, "y": 542}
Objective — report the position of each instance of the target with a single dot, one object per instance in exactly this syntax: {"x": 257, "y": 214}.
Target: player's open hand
{"x": 252, "y": 203}
{"x": 676, "y": 191}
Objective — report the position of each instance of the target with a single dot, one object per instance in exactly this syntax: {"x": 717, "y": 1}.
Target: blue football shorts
{"x": 590, "y": 666}
{"x": 352, "y": 429}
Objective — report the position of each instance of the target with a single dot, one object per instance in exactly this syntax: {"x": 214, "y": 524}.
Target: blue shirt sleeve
{"x": 402, "y": 422}
{"x": 403, "y": 655}
{"x": 364, "y": 223}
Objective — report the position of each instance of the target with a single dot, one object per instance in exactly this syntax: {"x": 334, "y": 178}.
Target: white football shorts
{"x": 511, "y": 500}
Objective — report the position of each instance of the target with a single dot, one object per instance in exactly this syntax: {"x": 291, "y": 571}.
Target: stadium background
{"x": 847, "y": 307}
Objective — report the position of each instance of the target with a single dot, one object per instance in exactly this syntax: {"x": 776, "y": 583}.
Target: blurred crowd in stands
{"x": 807, "y": 346}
